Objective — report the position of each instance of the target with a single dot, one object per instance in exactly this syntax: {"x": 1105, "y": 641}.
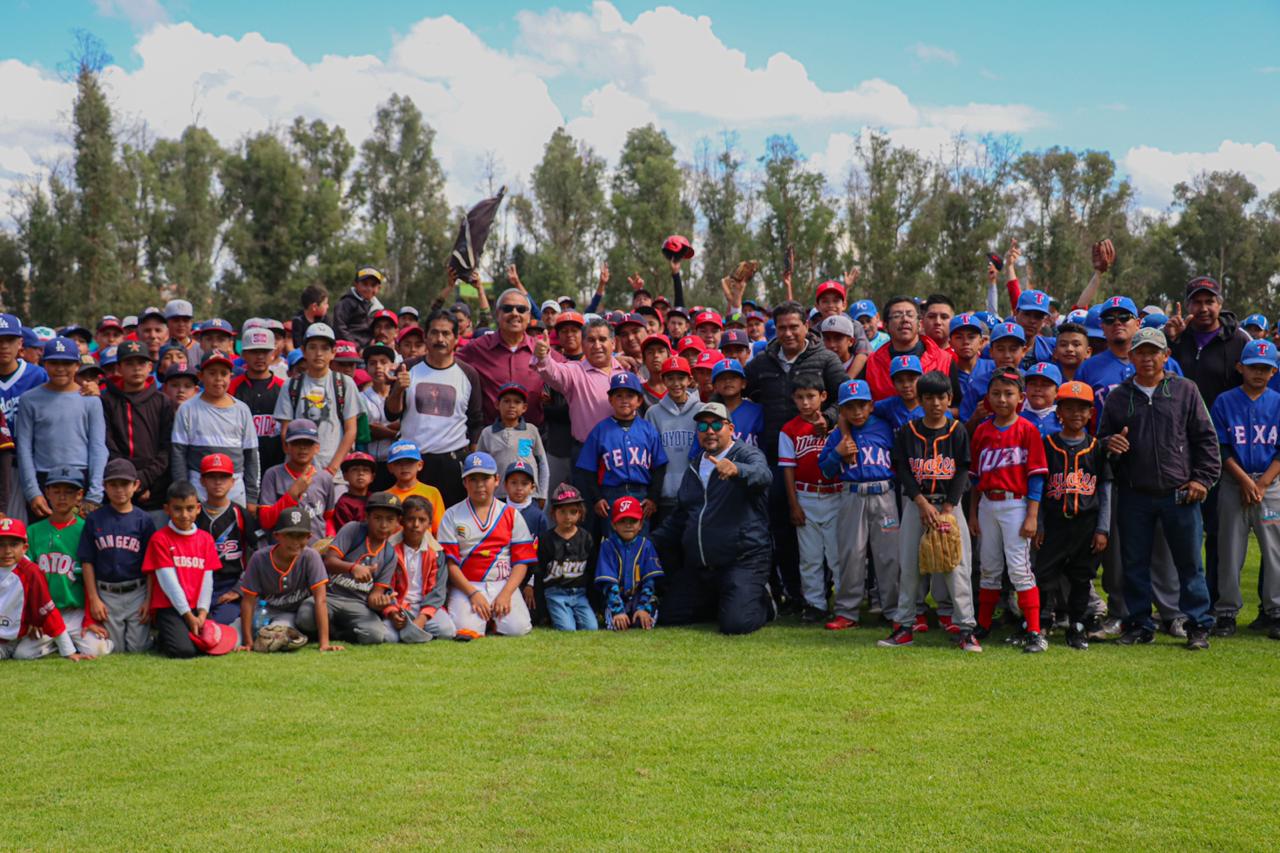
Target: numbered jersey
{"x": 54, "y": 550}
{"x": 486, "y": 546}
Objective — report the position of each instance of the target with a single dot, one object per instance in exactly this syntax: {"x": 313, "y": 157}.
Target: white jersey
{"x": 435, "y": 414}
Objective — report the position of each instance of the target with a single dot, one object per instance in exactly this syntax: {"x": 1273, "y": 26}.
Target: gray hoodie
{"x": 675, "y": 425}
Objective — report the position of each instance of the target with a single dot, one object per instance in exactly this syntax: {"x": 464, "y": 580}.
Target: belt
{"x": 937, "y": 499}
{"x": 877, "y": 488}
{"x": 127, "y": 586}
{"x": 833, "y": 489}
{"x": 1001, "y": 495}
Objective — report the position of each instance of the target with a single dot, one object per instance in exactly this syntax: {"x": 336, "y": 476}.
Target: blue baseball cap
{"x": 1156, "y": 321}
{"x": 904, "y": 364}
{"x": 734, "y": 338}
{"x": 1034, "y": 300}
{"x": 217, "y": 324}
{"x": 967, "y": 321}
{"x": 293, "y": 357}
{"x": 108, "y": 356}
{"x": 30, "y": 338}
{"x": 61, "y": 349}
{"x": 991, "y": 320}
{"x": 1045, "y": 370}
{"x": 854, "y": 390}
{"x": 65, "y": 474}
{"x": 1008, "y": 330}
{"x": 1117, "y": 303}
{"x": 1259, "y": 352}
{"x": 862, "y": 308}
{"x": 1258, "y": 320}
{"x": 727, "y": 365}
{"x": 625, "y": 382}
{"x": 10, "y": 326}
{"x": 520, "y": 466}
{"x": 301, "y": 429}
{"x": 479, "y": 463}
{"x": 1076, "y": 315}
{"x": 403, "y": 449}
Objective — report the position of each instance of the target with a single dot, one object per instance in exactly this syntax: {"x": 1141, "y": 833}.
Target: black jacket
{"x": 139, "y": 426}
{"x": 770, "y": 385}
{"x": 1213, "y": 368}
{"x": 299, "y": 328}
{"x": 1171, "y": 438}
{"x": 351, "y": 320}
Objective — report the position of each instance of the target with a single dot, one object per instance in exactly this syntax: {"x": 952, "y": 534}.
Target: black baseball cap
{"x": 383, "y": 500}
{"x": 119, "y": 469}
{"x": 1203, "y": 282}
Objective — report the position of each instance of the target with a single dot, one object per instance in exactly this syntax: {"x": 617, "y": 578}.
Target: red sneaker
{"x": 841, "y": 623}
{"x": 921, "y": 626}
{"x": 945, "y": 622}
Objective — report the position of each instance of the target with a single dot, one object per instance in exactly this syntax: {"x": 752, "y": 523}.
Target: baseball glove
{"x": 1104, "y": 255}
{"x": 940, "y": 550}
{"x": 279, "y": 638}
{"x": 744, "y": 270}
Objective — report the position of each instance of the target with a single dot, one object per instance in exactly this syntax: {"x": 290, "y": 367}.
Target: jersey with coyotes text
{"x": 1005, "y": 458}
{"x": 1076, "y": 475}
{"x": 799, "y": 446}
{"x": 486, "y": 545}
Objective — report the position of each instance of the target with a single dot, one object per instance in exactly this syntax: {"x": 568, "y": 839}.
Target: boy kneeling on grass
{"x": 416, "y": 613}
{"x": 25, "y": 606}
{"x": 181, "y": 559}
{"x": 362, "y": 565}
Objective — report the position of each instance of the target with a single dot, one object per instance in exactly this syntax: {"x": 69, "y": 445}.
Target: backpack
{"x": 339, "y": 392}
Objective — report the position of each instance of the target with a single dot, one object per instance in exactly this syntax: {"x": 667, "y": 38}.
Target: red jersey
{"x": 25, "y": 603}
{"x": 1006, "y": 458}
{"x": 191, "y": 555}
{"x": 799, "y": 444}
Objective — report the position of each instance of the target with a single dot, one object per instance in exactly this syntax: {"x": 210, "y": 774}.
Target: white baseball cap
{"x": 256, "y": 338}
{"x": 319, "y": 330}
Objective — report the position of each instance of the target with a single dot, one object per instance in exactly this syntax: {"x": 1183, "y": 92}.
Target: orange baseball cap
{"x": 1075, "y": 391}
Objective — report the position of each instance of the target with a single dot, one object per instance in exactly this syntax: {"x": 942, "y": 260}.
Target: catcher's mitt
{"x": 279, "y": 638}
{"x": 744, "y": 270}
{"x": 940, "y": 550}
{"x": 1104, "y": 255}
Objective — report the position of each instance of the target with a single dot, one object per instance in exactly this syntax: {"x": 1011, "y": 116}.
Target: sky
{"x": 1169, "y": 89}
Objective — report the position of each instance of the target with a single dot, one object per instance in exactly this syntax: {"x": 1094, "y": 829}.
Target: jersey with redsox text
{"x": 191, "y": 554}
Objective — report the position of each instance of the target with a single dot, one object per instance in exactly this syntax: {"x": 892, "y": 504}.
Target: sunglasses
{"x": 1112, "y": 319}
{"x": 509, "y": 308}
{"x": 710, "y": 426}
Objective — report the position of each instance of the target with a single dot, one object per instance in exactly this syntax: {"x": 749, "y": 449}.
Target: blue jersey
{"x": 115, "y": 543}
{"x": 13, "y": 386}
{"x": 630, "y": 566}
{"x": 748, "y": 422}
{"x": 895, "y": 412}
{"x": 979, "y": 381}
{"x": 1041, "y": 349}
{"x": 534, "y": 518}
{"x": 1247, "y": 428}
{"x": 622, "y": 455}
{"x": 1105, "y": 371}
{"x": 874, "y": 459}
{"x": 1047, "y": 422}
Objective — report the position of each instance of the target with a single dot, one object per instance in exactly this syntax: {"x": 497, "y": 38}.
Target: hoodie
{"x": 1212, "y": 367}
{"x": 676, "y": 429}
{"x": 139, "y": 424}
{"x": 769, "y": 383}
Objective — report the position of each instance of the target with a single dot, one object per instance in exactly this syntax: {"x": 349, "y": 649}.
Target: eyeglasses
{"x": 508, "y": 308}
{"x": 1112, "y": 319}
{"x": 903, "y": 315}
{"x": 712, "y": 426}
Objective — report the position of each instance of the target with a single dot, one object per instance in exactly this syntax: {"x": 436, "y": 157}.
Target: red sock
{"x": 987, "y": 601}
{"x": 1029, "y": 603}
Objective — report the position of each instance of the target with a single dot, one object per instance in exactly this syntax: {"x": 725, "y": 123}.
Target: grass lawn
{"x": 791, "y": 738}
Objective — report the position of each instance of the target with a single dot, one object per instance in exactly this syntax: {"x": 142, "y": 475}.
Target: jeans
{"x": 570, "y": 610}
{"x": 1183, "y": 530}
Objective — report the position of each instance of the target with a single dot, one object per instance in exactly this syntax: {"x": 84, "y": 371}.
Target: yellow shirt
{"x": 431, "y": 495}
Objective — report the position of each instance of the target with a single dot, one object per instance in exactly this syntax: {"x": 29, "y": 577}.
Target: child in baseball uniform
{"x": 488, "y": 549}
{"x": 361, "y": 562}
{"x": 284, "y": 576}
{"x": 564, "y": 557}
{"x": 859, "y": 451}
{"x": 931, "y": 456}
{"x": 234, "y": 532}
{"x": 628, "y": 569}
{"x": 510, "y": 438}
{"x": 111, "y": 547}
{"x": 1010, "y": 470}
{"x": 1042, "y": 380}
{"x": 814, "y": 498}
{"x": 25, "y": 606}
{"x": 421, "y": 580}
{"x": 53, "y": 544}
{"x": 181, "y": 560}
{"x": 359, "y": 470}
{"x": 729, "y": 380}
{"x": 1008, "y": 345}
{"x": 404, "y": 461}
{"x": 904, "y": 372}
{"x": 1247, "y": 420}
{"x": 623, "y": 455}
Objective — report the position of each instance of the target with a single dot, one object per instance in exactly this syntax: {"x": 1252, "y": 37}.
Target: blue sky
{"x": 1178, "y": 78}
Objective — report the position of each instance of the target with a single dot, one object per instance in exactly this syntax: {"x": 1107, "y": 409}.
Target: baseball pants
{"x": 938, "y": 586}
{"x": 127, "y": 631}
{"x": 866, "y": 522}
{"x": 516, "y": 623}
{"x": 819, "y": 541}
{"x": 956, "y": 582}
{"x": 1138, "y": 515}
{"x": 1234, "y": 523}
{"x": 1003, "y": 548}
{"x": 1067, "y": 553}
{"x": 87, "y": 643}
{"x": 438, "y": 627}
{"x": 349, "y": 620}
{"x": 173, "y": 638}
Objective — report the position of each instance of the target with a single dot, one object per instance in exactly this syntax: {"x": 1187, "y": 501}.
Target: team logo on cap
{"x": 1114, "y": 301}
{"x": 6, "y": 524}
{"x": 902, "y": 361}
{"x": 626, "y": 504}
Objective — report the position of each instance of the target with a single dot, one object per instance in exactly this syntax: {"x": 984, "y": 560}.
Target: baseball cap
{"x": 214, "y": 358}
{"x": 408, "y": 309}
{"x": 1204, "y": 282}
{"x": 519, "y": 466}
{"x": 358, "y": 457}
{"x": 178, "y": 308}
{"x": 512, "y": 388}
{"x": 854, "y": 390}
{"x": 690, "y": 342}
{"x": 379, "y": 348}
{"x": 566, "y": 494}
{"x": 677, "y": 246}
{"x": 734, "y": 338}
{"x": 320, "y": 330}
{"x": 1149, "y": 337}
{"x": 12, "y": 528}
{"x": 649, "y": 341}
{"x": 406, "y": 331}
{"x": 836, "y": 324}
{"x": 75, "y": 330}
{"x": 345, "y": 351}
{"x": 150, "y": 312}
{"x": 1008, "y": 330}
{"x": 569, "y": 316}
{"x": 567, "y": 300}
{"x": 625, "y": 382}
{"x": 727, "y": 365}
{"x": 383, "y": 500}
{"x": 1117, "y": 303}
{"x": 132, "y": 349}
{"x": 361, "y": 377}
{"x": 295, "y": 519}
{"x": 1156, "y": 321}
{"x": 677, "y": 311}
{"x": 293, "y": 358}
{"x": 1258, "y": 320}
{"x": 61, "y": 349}
{"x": 10, "y": 326}
{"x": 257, "y": 339}
{"x": 217, "y": 463}
{"x": 1034, "y": 300}
{"x": 110, "y": 321}
{"x": 736, "y": 320}
{"x": 108, "y": 356}
{"x": 708, "y": 359}
{"x": 904, "y": 364}
{"x": 214, "y": 638}
{"x": 179, "y": 370}
{"x": 631, "y": 319}
{"x": 302, "y": 429}
{"x": 370, "y": 272}
{"x": 402, "y": 450}
{"x": 461, "y": 308}
{"x": 863, "y": 308}
{"x": 675, "y": 364}
{"x": 385, "y": 314}
{"x": 119, "y": 469}
{"x": 30, "y": 338}
{"x": 627, "y": 507}
{"x": 1259, "y": 352}
{"x": 1045, "y": 370}
{"x": 88, "y": 365}
{"x": 708, "y": 317}
{"x": 830, "y": 286}
{"x": 967, "y": 321}
{"x": 712, "y": 410}
{"x": 1075, "y": 391}
{"x": 479, "y": 463}
{"x": 550, "y": 304}
{"x": 67, "y": 475}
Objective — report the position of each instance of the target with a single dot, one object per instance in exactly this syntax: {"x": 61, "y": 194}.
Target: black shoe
{"x": 1197, "y": 638}
{"x": 1020, "y": 637}
{"x": 1136, "y": 636}
{"x": 1034, "y": 643}
{"x": 1077, "y": 637}
{"x": 1224, "y": 626}
{"x": 981, "y": 633}
{"x": 1176, "y": 627}
{"x": 1262, "y": 624}
{"x": 1274, "y": 633}
{"x": 812, "y": 614}
{"x": 790, "y": 607}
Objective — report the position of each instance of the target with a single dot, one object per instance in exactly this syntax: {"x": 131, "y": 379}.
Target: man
{"x": 352, "y": 319}
{"x": 903, "y": 325}
{"x": 438, "y": 404}
{"x": 153, "y": 331}
{"x": 557, "y": 428}
{"x": 720, "y": 524}
{"x": 177, "y": 316}
{"x": 506, "y": 357}
{"x": 1157, "y": 429}
{"x": 938, "y": 310}
{"x": 584, "y": 383}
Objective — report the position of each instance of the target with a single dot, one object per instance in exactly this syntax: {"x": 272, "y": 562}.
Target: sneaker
{"x": 922, "y": 624}
{"x": 947, "y": 625}
{"x": 812, "y": 614}
{"x": 1135, "y": 636}
{"x": 1018, "y": 637}
{"x": 841, "y": 623}
{"x": 1197, "y": 638}
{"x": 981, "y": 633}
{"x": 1224, "y": 626}
{"x": 901, "y": 636}
{"x": 969, "y": 643}
{"x": 1262, "y": 624}
{"x": 1060, "y": 622}
{"x": 1035, "y": 643}
{"x": 1077, "y": 638}
{"x": 1175, "y": 627}
{"x": 1106, "y": 629}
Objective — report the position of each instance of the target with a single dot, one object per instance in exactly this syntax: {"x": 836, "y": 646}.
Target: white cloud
{"x": 933, "y": 53}
{"x": 140, "y": 13}
{"x": 1155, "y": 171}
{"x": 986, "y": 118}
{"x": 1269, "y": 69}
{"x": 609, "y": 114}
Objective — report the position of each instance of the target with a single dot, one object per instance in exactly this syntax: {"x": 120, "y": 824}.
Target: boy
{"x": 216, "y": 422}
{"x": 1010, "y": 471}
{"x": 314, "y": 300}
{"x": 1070, "y": 349}
{"x": 380, "y": 360}
{"x": 326, "y": 398}
{"x": 564, "y": 553}
{"x": 1042, "y": 381}
{"x": 672, "y": 416}
{"x": 837, "y": 336}
{"x": 110, "y": 553}
{"x": 736, "y": 345}
{"x": 703, "y": 366}
{"x": 358, "y": 470}
{"x": 258, "y": 388}
{"x": 1076, "y": 511}
{"x": 25, "y": 605}
{"x": 1246, "y": 419}
{"x": 234, "y": 533}
{"x": 814, "y": 498}
{"x": 217, "y": 335}
{"x": 420, "y": 585}
{"x": 181, "y": 560}
{"x": 654, "y": 350}
{"x": 139, "y": 422}
{"x": 488, "y": 549}
{"x": 518, "y": 484}
{"x": 57, "y": 408}
{"x": 968, "y": 335}
{"x": 361, "y": 565}
{"x": 512, "y": 439}
{"x": 904, "y": 372}
{"x": 859, "y": 453}
{"x": 405, "y": 461}
{"x": 284, "y": 576}
{"x": 729, "y": 381}
{"x": 54, "y": 545}
{"x": 1008, "y": 344}
{"x": 411, "y": 343}
{"x": 931, "y": 456}
{"x": 298, "y": 478}
{"x": 628, "y": 569}
{"x": 623, "y": 454}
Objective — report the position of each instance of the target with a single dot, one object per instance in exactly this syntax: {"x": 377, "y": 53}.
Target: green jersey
{"x": 54, "y": 551}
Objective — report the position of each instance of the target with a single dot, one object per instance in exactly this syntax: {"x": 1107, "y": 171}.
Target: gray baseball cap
{"x": 1149, "y": 337}
{"x": 838, "y": 324}
{"x": 716, "y": 410}
{"x": 257, "y": 338}
{"x": 178, "y": 308}
{"x": 119, "y": 469}
{"x": 320, "y": 330}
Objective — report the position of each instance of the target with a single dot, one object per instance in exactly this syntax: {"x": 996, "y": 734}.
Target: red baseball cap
{"x": 708, "y": 358}
{"x": 217, "y": 463}
{"x": 655, "y": 339}
{"x": 675, "y": 364}
{"x": 216, "y": 357}
{"x": 690, "y": 342}
{"x": 407, "y": 331}
{"x": 627, "y": 507}
{"x": 569, "y": 317}
{"x": 12, "y": 528}
{"x": 387, "y": 314}
{"x": 830, "y": 286}
{"x": 708, "y": 317}
{"x": 214, "y": 638}
{"x": 345, "y": 351}
{"x": 676, "y": 246}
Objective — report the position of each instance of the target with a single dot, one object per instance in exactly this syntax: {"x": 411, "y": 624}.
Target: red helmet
{"x": 677, "y": 247}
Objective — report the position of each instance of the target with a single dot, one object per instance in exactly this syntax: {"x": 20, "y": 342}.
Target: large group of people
{"x": 364, "y": 475}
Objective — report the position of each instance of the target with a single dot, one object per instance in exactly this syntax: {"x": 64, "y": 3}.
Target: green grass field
{"x": 791, "y": 738}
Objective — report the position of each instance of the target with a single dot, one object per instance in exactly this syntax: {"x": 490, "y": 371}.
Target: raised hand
{"x": 636, "y": 282}
{"x": 1177, "y": 323}
{"x": 1104, "y": 255}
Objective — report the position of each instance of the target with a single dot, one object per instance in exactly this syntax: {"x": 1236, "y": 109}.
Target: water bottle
{"x": 260, "y": 617}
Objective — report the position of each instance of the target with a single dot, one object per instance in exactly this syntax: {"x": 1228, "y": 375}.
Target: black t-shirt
{"x": 565, "y": 563}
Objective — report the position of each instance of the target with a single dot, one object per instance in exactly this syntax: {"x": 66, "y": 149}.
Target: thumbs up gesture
{"x": 1119, "y": 443}
{"x": 541, "y": 347}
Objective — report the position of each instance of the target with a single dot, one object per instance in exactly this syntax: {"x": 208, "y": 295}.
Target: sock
{"x": 1029, "y": 604}
{"x": 987, "y": 601}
